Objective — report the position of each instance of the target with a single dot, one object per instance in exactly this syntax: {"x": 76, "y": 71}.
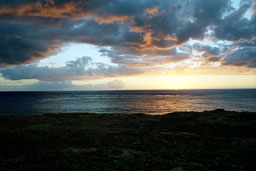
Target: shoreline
{"x": 209, "y": 140}
{"x": 116, "y": 113}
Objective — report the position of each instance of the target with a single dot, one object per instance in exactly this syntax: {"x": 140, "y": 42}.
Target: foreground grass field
{"x": 213, "y": 140}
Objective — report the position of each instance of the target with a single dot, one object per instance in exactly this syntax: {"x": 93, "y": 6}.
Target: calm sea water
{"x": 146, "y": 101}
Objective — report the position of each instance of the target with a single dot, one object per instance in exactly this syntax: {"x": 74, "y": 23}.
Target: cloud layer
{"x": 65, "y": 85}
{"x": 81, "y": 68}
{"x": 140, "y": 34}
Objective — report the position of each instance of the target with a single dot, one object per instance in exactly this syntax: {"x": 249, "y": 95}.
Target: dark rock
{"x": 218, "y": 110}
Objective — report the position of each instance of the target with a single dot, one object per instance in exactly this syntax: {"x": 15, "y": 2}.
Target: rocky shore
{"x": 210, "y": 140}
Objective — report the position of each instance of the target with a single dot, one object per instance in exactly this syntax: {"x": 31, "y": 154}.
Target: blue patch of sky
{"x": 235, "y": 4}
{"x": 72, "y": 52}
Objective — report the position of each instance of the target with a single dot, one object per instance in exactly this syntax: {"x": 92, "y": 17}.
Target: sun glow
{"x": 181, "y": 82}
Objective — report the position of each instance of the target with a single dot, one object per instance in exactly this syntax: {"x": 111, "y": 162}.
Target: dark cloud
{"x": 153, "y": 57}
{"x": 205, "y": 13}
{"x": 112, "y": 34}
{"x": 235, "y": 26}
{"x": 74, "y": 8}
{"x": 213, "y": 59}
{"x": 207, "y": 50}
{"x": 20, "y": 43}
{"x": 140, "y": 32}
{"x": 242, "y": 57}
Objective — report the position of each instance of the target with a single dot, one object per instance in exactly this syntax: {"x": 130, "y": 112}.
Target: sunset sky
{"x": 127, "y": 44}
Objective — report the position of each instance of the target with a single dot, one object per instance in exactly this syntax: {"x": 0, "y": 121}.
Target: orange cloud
{"x": 147, "y": 39}
{"x": 170, "y": 37}
{"x": 137, "y": 29}
{"x": 152, "y": 11}
{"x": 111, "y": 19}
{"x": 48, "y": 10}
{"x": 151, "y": 42}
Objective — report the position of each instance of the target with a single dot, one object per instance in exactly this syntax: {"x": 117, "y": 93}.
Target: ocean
{"x": 128, "y": 102}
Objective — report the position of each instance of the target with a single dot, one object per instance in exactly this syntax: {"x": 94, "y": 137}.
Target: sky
{"x": 118, "y": 44}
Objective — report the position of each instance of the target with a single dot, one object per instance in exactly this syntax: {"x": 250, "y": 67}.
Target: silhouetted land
{"x": 213, "y": 140}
